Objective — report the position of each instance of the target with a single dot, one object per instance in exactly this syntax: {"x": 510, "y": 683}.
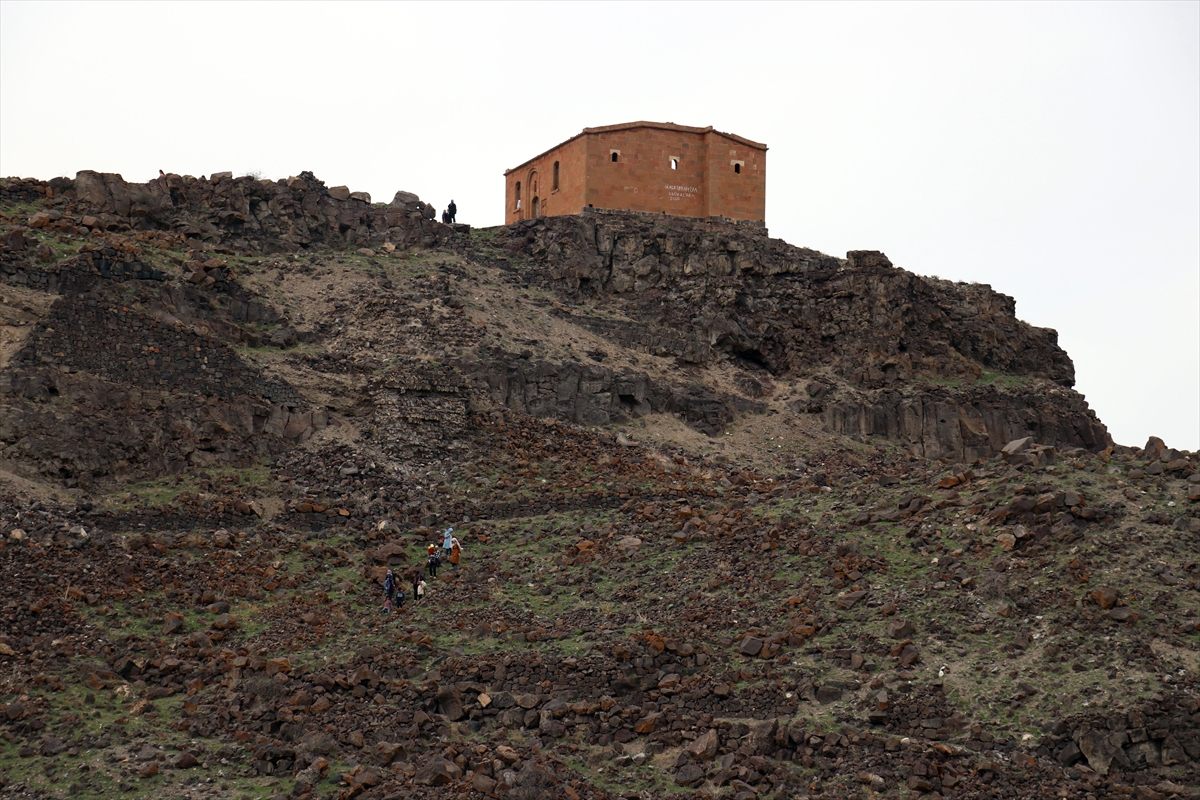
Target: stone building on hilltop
{"x": 653, "y": 167}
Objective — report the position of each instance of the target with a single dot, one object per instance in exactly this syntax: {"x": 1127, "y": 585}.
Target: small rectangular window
{"x": 674, "y": 163}
{"x": 737, "y": 166}
{"x": 556, "y": 176}
{"x": 616, "y": 155}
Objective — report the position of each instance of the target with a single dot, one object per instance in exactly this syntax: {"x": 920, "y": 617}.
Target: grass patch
{"x": 163, "y": 491}
{"x": 995, "y": 378}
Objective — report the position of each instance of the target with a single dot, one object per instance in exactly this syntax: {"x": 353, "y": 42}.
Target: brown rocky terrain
{"x": 740, "y": 519}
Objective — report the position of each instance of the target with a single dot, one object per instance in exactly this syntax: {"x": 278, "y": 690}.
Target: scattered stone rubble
{"x": 1006, "y": 606}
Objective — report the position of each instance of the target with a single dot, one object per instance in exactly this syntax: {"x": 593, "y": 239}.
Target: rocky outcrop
{"x": 73, "y": 429}
{"x": 1161, "y": 732}
{"x": 971, "y": 424}
{"x": 238, "y": 214}
{"x": 104, "y": 389}
{"x": 704, "y": 291}
{"x": 140, "y": 349}
{"x": 786, "y": 308}
{"x": 655, "y": 341}
{"x": 582, "y": 393}
{"x": 589, "y": 394}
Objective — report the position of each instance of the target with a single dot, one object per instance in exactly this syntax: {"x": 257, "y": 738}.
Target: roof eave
{"x": 529, "y": 161}
{"x": 624, "y": 126}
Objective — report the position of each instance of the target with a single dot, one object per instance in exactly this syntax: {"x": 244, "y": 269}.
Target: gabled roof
{"x": 625, "y": 126}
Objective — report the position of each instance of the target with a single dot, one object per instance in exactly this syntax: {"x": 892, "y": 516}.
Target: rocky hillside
{"x": 739, "y": 519}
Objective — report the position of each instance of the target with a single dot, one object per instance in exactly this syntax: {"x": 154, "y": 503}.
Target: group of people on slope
{"x": 450, "y": 549}
{"x": 394, "y": 595}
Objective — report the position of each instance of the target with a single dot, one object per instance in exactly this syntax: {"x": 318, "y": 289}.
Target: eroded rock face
{"x": 248, "y": 213}
{"x": 99, "y": 389}
{"x": 124, "y": 430}
{"x": 909, "y": 349}
{"x": 971, "y": 424}
{"x": 871, "y": 342}
{"x": 788, "y": 308}
{"x": 142, "y": 349}
{"x": 590, "y": 394}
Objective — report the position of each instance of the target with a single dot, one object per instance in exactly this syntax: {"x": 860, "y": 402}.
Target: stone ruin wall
{"x": 117, "y": 344}
{"x": 420, "y": 409}
{"x": 649, "y": 339}
{"x": 587, "y": 394}
{"x": 99, "y": 389}
{"x": 21, "y": 264}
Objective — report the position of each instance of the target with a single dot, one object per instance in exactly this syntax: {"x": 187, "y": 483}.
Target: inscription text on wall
{"x": 681, "y": 192}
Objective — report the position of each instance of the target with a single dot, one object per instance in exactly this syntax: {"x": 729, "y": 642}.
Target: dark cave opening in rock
{"x": 752, "y": 358}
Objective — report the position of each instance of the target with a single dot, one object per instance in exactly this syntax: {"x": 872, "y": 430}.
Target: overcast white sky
{"x": 1050, "y": 150}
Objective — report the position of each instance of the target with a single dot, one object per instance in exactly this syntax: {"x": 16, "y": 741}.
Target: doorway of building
{"x": 534, "y": 203}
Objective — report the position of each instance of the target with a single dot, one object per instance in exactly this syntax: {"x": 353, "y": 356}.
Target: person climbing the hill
{"x": 432, "y": 563}
{"x": 389, "y": 591}
{"x": 447, "y": 542}
{"x": 455, "y": 552}
{"x": 401, "y": 597}
{"x": 419, "y": 588}
{"x": 452, "y": 210}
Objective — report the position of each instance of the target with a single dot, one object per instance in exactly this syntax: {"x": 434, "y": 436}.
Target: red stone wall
{"x": 731, "y": 194}
{"x": 702, "y": 184}
{"x": 568, "y": 198}
{"x": 642, "y": 179}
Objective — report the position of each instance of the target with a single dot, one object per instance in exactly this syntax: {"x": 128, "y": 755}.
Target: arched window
{"x": 615, "y": 156}
{"x": 518, "y": 194}
{"x": 536, "y": 209}
{"x": 737, "y": 168}
{"x": 556, "y": 176}
{"x": 674, "y": 163}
